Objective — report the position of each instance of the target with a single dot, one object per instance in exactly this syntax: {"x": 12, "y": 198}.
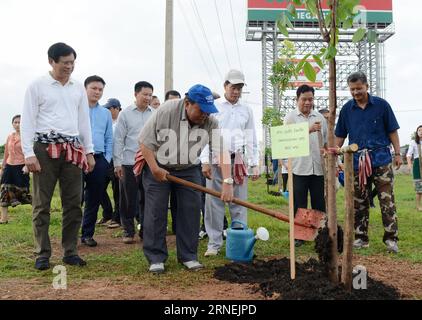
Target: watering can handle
{"x": 239, "y": 222}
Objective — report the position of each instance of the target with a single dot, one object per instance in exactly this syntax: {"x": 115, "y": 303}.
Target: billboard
{"x": 374, "y": 11}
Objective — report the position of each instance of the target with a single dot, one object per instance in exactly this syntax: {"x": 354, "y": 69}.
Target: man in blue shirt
{"x": 102, "y": 138}
{"x": 369, "y": 122}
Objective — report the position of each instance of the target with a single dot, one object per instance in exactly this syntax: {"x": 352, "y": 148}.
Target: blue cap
{"x": 203, "y": 97}
{"x": 112, "y": 103}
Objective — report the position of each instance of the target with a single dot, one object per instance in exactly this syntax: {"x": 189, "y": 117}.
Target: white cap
{"x": 235, "y": 77}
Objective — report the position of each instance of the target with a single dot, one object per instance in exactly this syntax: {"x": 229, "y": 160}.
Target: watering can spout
{"x": 261, "y": 234}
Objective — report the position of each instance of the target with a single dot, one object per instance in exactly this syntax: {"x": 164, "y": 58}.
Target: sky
{"x": 123, "y": 42}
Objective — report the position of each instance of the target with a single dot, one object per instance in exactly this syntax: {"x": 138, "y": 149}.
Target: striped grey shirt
{"x": 125, "y": 143}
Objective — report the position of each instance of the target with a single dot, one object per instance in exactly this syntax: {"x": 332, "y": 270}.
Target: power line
{"x": 198, "y": 16}
{"x": 235, "y": 37}
{"x": 222, "y": 34}
{"x": 196, "y": 42}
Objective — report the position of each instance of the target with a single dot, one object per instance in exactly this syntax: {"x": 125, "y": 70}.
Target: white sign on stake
{"x": 290, "y": 141}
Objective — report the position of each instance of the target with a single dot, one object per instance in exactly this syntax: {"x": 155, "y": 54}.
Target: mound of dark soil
{"x": 323, "y": 243}
{"x": 311, "y": 281}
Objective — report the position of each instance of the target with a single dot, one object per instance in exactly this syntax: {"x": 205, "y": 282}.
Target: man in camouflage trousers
{"x": 369, "y": 122}
{"x": 383, "y": 179}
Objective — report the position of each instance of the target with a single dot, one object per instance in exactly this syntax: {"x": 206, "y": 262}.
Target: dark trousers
{"x": 44, "y": 182}
{"x": 173, "y": 205}
{"x": 312, "y": 184}
{"x": 132, "y": 201}
{"x": 285, "y": 180}
{"x": 187, "y": 216}
{"x": 93, "y": 194}
{"x": 204, "y": 184}
{"x": 108, "y": 212}
{"x": 173, "y": 211}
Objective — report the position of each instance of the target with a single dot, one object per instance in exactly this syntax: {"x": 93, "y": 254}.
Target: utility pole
{"x": 168, "y": 74}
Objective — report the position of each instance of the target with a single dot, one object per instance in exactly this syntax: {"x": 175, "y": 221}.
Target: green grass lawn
{"x": 17, "y": 258}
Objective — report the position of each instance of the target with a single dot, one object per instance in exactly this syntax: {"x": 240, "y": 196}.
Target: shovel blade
{"x": 313, "y": 219}
{"x": 305, "y": 233}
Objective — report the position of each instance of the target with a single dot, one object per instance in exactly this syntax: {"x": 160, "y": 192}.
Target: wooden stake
{"x": 347, "y": 267}
{"x": 350, "y": 148}
{"x": 291, "y": 223}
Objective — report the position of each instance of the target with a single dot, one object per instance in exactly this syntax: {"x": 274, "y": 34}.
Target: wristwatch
{"x": 228, "y": 181}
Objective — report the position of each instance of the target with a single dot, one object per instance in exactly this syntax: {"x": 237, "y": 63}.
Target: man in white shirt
{"x": 238, "y": 129}
{"x": 308, "y": 174}
{"x": 56, "y": 116}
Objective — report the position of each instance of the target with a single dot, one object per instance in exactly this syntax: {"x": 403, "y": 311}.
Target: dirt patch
{"x": 239, "y": 283}
{"x": 108, "y": 243}
{"x": 404, "y": 276}
{"x": 387, "y": 279}
{"x": 401, "y": 279}
{"x": 122, "y": 290}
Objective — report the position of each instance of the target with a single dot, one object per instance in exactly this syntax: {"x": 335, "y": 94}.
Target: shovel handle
{"x": 242, "y": 203}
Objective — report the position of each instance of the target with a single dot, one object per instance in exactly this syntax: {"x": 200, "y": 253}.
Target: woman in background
{"x": 14, "y": 179}
{"x": 414, "y": 152}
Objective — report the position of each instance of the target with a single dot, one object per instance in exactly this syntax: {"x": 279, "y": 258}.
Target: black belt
{"x": 179, "y": 169}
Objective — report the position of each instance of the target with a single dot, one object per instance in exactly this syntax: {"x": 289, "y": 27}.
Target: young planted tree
{"x": 272, "y": 117}
{"x": 341, "y": 14}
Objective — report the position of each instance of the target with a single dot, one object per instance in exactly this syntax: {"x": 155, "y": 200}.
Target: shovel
{"x": 307, "y": 221}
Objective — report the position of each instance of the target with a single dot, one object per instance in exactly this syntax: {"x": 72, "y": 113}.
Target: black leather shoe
{"x": 89, "y": 242}
{"x": 42, "y": 264}
{"x": 74, "y": 261}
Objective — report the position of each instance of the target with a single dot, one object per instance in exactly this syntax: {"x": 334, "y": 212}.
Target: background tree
{"x": 283, "y": 72}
